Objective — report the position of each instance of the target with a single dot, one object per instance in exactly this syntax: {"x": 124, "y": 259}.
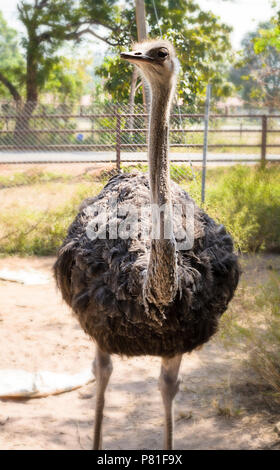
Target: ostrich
{"x": 138, "y": 295}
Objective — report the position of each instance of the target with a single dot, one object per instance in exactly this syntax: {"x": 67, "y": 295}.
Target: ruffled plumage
{"x": 102, "y": 279}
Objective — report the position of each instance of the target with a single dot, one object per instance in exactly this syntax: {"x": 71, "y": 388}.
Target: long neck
{"x": 162, "y": 281}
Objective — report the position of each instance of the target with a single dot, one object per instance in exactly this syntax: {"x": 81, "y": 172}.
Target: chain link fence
{"x": 39, "y": 201}
{"x": 118, "y": 133}
{"x": 75, "y": 127}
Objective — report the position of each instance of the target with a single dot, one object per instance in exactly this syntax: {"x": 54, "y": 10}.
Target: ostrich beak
{"x": 135, "y": 57}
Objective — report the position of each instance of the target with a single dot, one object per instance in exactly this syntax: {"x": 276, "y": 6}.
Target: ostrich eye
{"x": 162, "y": 54}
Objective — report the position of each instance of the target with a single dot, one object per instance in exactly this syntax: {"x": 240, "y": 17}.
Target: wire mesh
{"x": 38, "y": 202}
{"x": 118, "y": 132}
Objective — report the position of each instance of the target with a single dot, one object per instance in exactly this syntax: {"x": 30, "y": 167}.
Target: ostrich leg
{"x": 102, "y": 368}
{"x": 169, "y": 385}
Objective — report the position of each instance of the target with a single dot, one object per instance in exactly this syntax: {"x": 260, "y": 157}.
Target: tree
{"x": 11, "y": 62}
{"x": 201, "y": 40}
{"x": 51, "y": 22}
{"x": 69, "y": 79}
{"x": 48, "y": 24}
{"x": 269, "y": 37}
{"x": 257, "y": 75}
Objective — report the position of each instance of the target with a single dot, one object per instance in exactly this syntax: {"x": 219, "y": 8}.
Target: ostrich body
{"x": 142, "y": 295}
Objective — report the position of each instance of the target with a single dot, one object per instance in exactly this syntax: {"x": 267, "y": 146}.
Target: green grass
{"x": 30, "y": 177}
{"x": 36, "y": 176}
{"x": 252, "y": 325}
{"x": 28, "y": 231}
{"x": 228, "y": 138}
{"x": 244, "y": 198}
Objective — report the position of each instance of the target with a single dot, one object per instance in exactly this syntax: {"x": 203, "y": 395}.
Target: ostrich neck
{"x": 158, "y": 147}
{"x": 162, "y": 281}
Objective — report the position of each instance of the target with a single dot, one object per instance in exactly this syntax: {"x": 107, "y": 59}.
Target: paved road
{"x": 101, "y": 157}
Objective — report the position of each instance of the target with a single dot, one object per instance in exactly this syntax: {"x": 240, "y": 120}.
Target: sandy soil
{"x": 39, "y": 332}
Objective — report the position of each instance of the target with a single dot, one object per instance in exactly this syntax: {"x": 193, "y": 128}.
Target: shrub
{"x": 244, "y": 199}
{"x": 253, "y": 325}
{"x": 34, "y": 232}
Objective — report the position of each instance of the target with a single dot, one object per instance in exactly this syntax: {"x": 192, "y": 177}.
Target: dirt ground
{"x": 38, "y": 332}
{"x": 58, "y": 168}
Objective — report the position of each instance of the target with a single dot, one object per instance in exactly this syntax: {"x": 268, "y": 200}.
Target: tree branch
{"x": 99, "y": 23}
{"x": 92, "y": 21}
{"x": 48, "y": 36}
{"x": 77, "y": 34}
{"x": 12, "y": 89}
{"x": 42, "y": 3}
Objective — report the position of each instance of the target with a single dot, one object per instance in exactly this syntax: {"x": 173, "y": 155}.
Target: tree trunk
{"x": 12, "y": 89}
{"x": 22, "y": 136}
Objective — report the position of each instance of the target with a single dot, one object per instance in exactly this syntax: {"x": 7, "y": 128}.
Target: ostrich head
{"x": 156, "y": 60}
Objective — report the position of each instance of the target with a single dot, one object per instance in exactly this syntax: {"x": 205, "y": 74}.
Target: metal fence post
{"x": 205, "y": 142}
{"x": 118, "y": 138}
{"x": 264, "y": 136}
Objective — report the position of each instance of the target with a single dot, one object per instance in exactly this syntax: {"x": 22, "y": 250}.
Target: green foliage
{"x": 201, "y": 40}
{"x": 257, "y": 73}
{"x": 68, "y": 79}
{"x": 11, "y": 60}
{"x": 9, "y": 51}
{"x": 36, "y": 232}
{"x": 29, "y": 178}
{"x": 269, "y": 38}
{"x": 51, "y": 23}
{"x": 244, "y": 199}
{"x": 253, "y": 325}
{"x": 117, "y": 75}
